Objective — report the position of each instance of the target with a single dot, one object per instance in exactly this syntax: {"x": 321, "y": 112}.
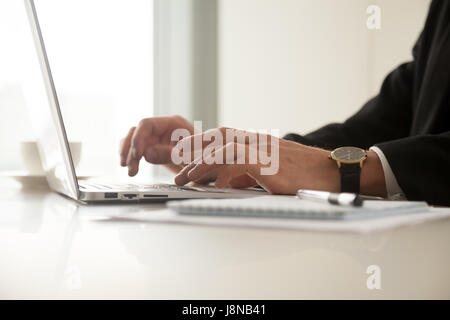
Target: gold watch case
{"x": 348, "y": 155}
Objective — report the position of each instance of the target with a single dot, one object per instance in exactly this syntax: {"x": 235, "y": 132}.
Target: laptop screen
{"x": 43, "y": 105}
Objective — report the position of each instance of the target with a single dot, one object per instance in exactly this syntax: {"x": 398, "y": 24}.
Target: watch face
{"x": 349, "y": 154}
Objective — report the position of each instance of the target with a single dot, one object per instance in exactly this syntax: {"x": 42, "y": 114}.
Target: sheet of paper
{"x": 356, "y": 226}
{"x": 291, "y": 207}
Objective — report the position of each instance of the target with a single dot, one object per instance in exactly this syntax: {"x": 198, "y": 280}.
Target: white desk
{"x": 51, "y": 248}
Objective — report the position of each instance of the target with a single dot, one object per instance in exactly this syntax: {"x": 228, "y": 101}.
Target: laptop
{"x": 57, "y": 160}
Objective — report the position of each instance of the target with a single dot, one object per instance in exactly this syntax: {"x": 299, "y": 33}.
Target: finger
{"x": 243, "y": 181}
{"x": 190, "y": 146}
{"x": 141, "y": 137}
{"x": 158, "y": 154}
{"x": 267, "y": 182}
{"x": 242, "y": 175}
{"x": 224, "y": 134}
{"x": 229, "y": 171}
{"x": 125, "y": 147}
{"x": 212, "y": 176}
{"x": 146, "y": 134}
{"x": 174, "y": 168}
{"x": 181, "y": 178}
{"x": 198, "y": 171}
{"x": 133, "y": 162}
{"x": 220, "y": 135}
{"x": 229, "y": 155}
{"x": 197, "y": 142}
{"x": 227, "y": 174}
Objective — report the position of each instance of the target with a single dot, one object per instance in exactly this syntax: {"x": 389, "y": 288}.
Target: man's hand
{"x": 151, "y": 140}
{"x": 300, "y": 167}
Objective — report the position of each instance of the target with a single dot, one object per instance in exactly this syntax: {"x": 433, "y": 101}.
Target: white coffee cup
{"x": 32, "y": 160}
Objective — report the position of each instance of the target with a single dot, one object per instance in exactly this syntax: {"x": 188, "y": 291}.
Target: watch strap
{"x": 350, "y": 177}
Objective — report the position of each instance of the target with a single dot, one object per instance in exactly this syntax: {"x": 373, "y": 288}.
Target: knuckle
{"x": 178, "y": 118}
{"x": 223, "y": 129}
{"x": 144, "y": 122}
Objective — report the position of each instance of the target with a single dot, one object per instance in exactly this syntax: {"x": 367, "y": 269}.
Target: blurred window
{"x": 101, "y": 56}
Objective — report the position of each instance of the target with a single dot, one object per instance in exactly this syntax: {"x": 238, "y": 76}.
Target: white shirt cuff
{"x": 394, "y": 192}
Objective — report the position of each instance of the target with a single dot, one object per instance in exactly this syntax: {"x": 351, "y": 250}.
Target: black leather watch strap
{"x": 350, "y": 177}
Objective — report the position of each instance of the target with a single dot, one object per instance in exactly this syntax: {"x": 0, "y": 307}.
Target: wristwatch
{"x": 349, "y": 161}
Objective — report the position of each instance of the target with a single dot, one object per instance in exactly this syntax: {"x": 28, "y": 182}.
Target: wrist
{"x": 372, "y": 181}
{"x": 372, "y": 176}
{"x": 328, "y": 178}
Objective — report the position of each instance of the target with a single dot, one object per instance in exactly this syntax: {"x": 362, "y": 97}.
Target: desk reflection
{"x": 56, "y": 247}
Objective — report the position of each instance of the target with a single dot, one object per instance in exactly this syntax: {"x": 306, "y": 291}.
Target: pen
{"x": 343, "y": 199}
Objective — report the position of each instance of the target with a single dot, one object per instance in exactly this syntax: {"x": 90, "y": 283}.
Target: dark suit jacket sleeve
{"x": 385, "y": 117}
{"x": 421, "y": 164}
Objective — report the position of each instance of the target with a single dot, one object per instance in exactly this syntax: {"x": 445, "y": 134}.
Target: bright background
{"x": 100, "y": 52}
{"x": 296, "y": 65}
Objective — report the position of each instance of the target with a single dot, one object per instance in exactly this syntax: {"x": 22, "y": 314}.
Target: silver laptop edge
{"x": 68, "y": 186}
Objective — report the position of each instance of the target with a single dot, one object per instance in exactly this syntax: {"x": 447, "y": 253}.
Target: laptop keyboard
{"x": 137, "y": 187}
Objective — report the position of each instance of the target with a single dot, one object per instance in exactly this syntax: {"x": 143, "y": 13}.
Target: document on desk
{"x": 294, "y": 208}
{"x": 281, "y": 212}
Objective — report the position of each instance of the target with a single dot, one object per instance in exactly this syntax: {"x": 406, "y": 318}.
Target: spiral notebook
{"x": 294, "y": 208}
